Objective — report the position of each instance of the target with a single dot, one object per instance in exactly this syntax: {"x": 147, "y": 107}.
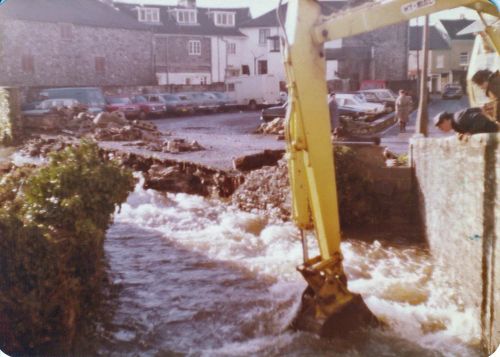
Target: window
{"x": 262, "y": 67}
{"x": 263, "y": 35}
{"x": 440, "y": 61}
{"x": 204, "y": 80}
{"x": 275, "y": 44}
{"x": 100, "y": 65}
{"x": 464, "y": 58}
{"x": 188, "y": 81}
{"x": 28, "y": 63}
{"x": 149, "y": 14}
{"x": 194, "y": 48}
{"x": 231, "y": 48}
{"x": 230, "y": 87}
{"x": 245, "y": 69}
{"x": 66, "y": 31}
{"x": 224, "y": 19}
{"x": 187, "y": 17}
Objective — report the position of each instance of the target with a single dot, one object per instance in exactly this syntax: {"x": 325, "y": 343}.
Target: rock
{"x": 102, "y": 120}
{"x": 173, "y": 179}
{"x": 5, "y": 167}
{"x": 275, "y": 126}
{"x": 145, "y": 125}
{"x": 256, "y": 161}
{"x": 181, "y": 145}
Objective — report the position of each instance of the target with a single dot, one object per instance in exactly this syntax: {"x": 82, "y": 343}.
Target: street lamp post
{"x": 423, "y": 111}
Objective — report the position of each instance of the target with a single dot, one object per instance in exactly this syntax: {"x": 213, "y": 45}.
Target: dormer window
{"x": 149, "y": 14}
{"x": 224, "y": 18}
{"x": 187, "y": 17}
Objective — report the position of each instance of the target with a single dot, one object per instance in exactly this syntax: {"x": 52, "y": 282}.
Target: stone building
{"x": 377, "y": 55}
{"x": 192, "y": 45}
{"x": 72, "y": 43}
{"x": 449, "y": 53}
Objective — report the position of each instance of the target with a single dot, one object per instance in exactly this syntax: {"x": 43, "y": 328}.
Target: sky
{"x": 258, "y": 7}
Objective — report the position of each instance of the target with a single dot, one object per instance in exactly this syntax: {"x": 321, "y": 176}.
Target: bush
{"x": 53, "y": 222}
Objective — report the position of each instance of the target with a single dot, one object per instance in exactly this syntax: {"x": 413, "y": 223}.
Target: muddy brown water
{"x": 196, "y": 277}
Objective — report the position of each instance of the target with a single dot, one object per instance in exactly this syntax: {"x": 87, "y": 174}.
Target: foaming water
{"x": 201, "y": 278}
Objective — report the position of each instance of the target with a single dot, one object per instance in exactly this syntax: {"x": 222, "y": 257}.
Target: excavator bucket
{"x": 328, "y": 308}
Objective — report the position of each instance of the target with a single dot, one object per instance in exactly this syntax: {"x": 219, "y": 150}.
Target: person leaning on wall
{"x": 465, "y": 122}
{"x": 490, "y": 82}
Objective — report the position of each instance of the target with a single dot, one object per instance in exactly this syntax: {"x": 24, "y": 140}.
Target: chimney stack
{"x": 190, "y": 4}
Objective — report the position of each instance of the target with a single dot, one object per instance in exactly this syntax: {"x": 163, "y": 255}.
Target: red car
{"x": 150, "y": 106}
{"x": 123, "y": 104}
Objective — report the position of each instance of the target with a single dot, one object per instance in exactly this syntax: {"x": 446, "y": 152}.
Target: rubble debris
{"x": 5, "y": 167}
{"x": 266, "y": 189}
{"x": 275, "y": 127}
{"x": 76, "y": 122}
{"x": 256, "y": 161}
{"x": 107, "y": 120}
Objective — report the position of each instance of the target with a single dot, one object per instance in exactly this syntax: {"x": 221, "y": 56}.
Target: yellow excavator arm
{"x": 327, "y": 305}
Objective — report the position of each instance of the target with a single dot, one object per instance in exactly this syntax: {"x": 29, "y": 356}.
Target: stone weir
{"x": 164, "y": 173}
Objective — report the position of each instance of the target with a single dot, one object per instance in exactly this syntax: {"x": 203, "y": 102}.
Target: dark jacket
{"x": 472, "y": 121}
{"x": 493, "y": 88}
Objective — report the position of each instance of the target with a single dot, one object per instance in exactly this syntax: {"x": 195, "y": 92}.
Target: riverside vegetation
{"x": 53, "y": 221}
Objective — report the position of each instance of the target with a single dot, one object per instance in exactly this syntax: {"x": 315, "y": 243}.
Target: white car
{"x": 356, "y": 102}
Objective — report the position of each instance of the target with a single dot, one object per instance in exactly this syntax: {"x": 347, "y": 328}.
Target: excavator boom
{"x": 328, "y": 307}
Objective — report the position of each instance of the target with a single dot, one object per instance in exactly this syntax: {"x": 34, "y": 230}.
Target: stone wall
{"x": 172, "y": 54}
{"x": 49, "y": 54}
{"x": 460, "y": 204}
{"x": 389, "y": 47}
{"x": 10, "y": 130}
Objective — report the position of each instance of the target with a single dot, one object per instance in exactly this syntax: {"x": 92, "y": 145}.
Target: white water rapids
{"x": 200, "y": 278}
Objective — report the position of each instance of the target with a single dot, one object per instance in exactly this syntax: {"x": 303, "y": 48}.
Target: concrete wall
{"x": 460, "y": 204}
{"x": 59, "y": 61}
{"x": 10, "y": 130}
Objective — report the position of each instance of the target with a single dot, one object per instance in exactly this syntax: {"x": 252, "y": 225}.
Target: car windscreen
{"x": 384, "y": 95}
{"x": 90, "y": 97}
{"x": 370, "y": 96}
{"x": 169, "y": 97}
{"x": 115, "y": 100}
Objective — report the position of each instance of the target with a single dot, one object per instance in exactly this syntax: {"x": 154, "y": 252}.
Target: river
{"x": 192, "y": 276}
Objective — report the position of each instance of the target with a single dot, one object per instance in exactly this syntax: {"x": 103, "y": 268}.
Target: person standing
{"x": 403, "y": 109}
{"x": 334, "y": 113}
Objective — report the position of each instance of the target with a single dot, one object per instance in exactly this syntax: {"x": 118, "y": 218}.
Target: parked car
{"x": 150, "y": 105}
{"x": 452, "y": 91}
{"x": 271, "y": 113}
{"x": 185, "y": 102}
{"x": 223, "y": 101}
{"x": 91, "y": 97}
{"x": 202, "y": 102}
{"x": 123, "y": 104}
{"x": 352, "y": 102}
{"x": 46, "y": 106}
{"x": 174, "y": 105}
{"x": 381, "y": 96}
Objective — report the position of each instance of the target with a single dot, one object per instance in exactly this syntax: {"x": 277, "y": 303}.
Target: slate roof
{"x": 269, "y": 19}
{"x": 206, "y": 26}
{"x": 437, "y": 40}
{"x": 91, "y": 13}
{"x": 452, "y": 27}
